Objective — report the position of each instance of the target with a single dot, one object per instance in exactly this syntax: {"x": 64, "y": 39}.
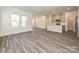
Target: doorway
{"x": 76, "y": 25}
{"x": 71, "y": 23}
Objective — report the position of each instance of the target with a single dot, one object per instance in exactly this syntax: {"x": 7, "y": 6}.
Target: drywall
{"x": 40, "y": 21}
{"x": 48, "y": 19}
{"x": 6, "y": 28}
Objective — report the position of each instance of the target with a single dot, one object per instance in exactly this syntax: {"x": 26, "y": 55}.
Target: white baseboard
{"x": 16, "y": 32}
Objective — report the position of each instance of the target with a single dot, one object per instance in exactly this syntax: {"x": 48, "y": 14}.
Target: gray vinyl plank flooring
{"x": 40, "y": 41}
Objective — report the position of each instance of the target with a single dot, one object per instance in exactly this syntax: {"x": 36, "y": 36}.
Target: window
{"x": 15, "y": 20}
{"x": 18, "y": 21}
{"x": 23, "y": 21}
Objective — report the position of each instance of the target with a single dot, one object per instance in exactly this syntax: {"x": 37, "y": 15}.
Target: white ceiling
{"x": 46, "y": 9}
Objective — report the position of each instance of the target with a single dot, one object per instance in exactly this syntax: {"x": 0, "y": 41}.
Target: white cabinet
{"x": 55, "y": 28}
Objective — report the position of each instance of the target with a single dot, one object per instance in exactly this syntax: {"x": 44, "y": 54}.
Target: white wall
{"x": 5, "y": 21}
{"x": 48, "y": 19}
{"x": 40, "y": 21}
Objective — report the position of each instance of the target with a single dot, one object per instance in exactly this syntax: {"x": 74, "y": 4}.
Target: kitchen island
{"x": 55, "y": 28}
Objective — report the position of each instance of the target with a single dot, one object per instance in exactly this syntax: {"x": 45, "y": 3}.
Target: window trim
{"x": 19, "y": 25}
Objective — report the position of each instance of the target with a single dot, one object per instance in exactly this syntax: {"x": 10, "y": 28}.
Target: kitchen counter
{"x": 55, "y": 28}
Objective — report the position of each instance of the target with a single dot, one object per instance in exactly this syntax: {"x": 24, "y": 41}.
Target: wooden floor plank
{"x": 40, "y": 41}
